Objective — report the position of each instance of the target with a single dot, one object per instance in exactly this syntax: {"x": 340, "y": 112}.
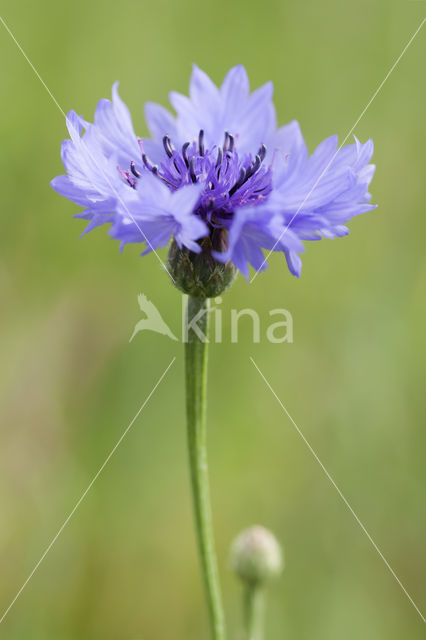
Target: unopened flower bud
{"x": 256, "y": 556}
{"x": 199, "y": 274}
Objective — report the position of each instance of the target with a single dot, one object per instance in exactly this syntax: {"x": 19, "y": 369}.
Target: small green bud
{"x": 199, "y": 274}
{"x": 256, "y": 556}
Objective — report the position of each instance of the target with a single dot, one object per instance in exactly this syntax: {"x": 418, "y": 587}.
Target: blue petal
{"x": 294, "y": 263}
{"x": 154, "y": 214}
{"x": 159, "y": 120}
{"x": 234, "y": 91}
{"x": 203, "y": 92}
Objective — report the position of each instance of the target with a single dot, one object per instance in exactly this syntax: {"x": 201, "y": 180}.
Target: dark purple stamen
{"x": 240, "y": 181}
{"x": 168, "y": 146}
{"x": 219, "y": 157}
{"x": 185, "y": 153}
{"x": 227, "y": 141}
{"x": 134, "y": 170}
{"x": 147, "y": 162}
{"x": 253, "y": 168}
{"x": 262, "y": 152}
{"x": 153, "y": 168}
{"x": 192, "y": 169}
{"x": 128, "y": 178}
{"x": 201, "y": 142}
{"x": 245, "y": 174}
{"x": 176, "y": 166}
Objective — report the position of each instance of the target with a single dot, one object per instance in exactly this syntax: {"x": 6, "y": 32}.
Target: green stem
{"x": 253, "y": 606}
{"x": 196, "y": 379}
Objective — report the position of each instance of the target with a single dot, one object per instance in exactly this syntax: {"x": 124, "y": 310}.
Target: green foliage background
{"x": 125, "y": 567}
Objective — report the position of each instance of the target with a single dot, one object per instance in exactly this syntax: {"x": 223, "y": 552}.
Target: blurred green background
{"x": 125, "y": 567}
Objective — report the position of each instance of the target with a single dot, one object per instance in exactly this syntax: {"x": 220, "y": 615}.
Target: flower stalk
{"x": 196, "y": 380}
{"x": 253, "y": 608}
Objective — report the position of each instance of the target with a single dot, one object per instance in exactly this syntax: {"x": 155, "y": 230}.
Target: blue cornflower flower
{"x": 218, "y": 177}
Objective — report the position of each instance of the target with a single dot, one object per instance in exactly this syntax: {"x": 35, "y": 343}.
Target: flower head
{"x": 256, "y": 556}
{"x": 219, "y": 169}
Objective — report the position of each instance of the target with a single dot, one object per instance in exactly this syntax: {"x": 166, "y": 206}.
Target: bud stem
{"x": 253, "y": 607}
{"x": 196, "y": 379}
